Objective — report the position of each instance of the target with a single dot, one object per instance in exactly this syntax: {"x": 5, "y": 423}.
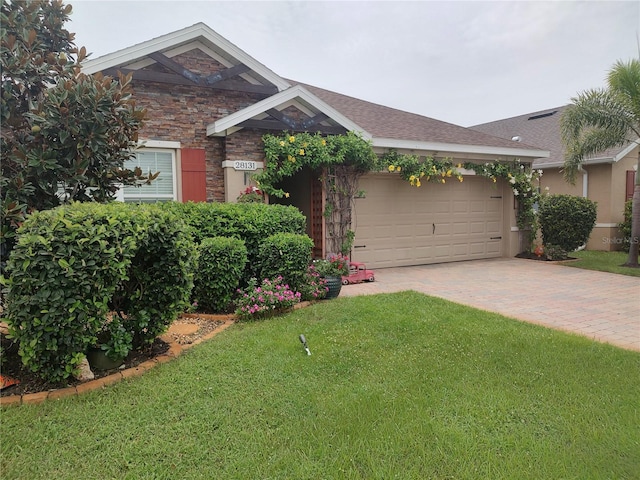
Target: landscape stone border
{"x": 174, "y": 351}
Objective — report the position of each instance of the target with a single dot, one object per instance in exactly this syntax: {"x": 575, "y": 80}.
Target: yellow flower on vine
{"x": 324, "y": 142}
{"x": 301, "y": 151}
{"x": 291, "y": 159}
{"x": 494, "y": 179}
{"x": 398, "y": 169}
{"x": 286, "y": 194}
{"x": 459, "y": 178}
{"x": 421, "y": 174}
{"x": 448, "y": 173}
{"x": 443, "y": 181}
{"x": 418, "y": 183}
{"x": 391, "y": 168}
{"x": 292, "y": 139}
{"x": 412, "y": 178}
{"x": 281, "y": 143}
{"x": 459, "y": 165}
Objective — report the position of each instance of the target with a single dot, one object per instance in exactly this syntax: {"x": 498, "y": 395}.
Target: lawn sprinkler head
{"x": 303, "y": 340}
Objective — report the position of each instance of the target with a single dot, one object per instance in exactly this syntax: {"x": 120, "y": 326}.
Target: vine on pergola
{"x": 343, "y": 159}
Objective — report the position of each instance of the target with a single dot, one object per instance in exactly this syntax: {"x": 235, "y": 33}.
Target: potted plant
{"x": 113, "y": 344}
{"x": 332, "y": 269}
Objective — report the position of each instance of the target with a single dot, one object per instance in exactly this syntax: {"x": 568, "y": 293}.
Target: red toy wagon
{"x": 358, "y": 273}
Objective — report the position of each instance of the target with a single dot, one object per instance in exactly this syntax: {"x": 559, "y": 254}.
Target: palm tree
{"x": 605, "y": 118}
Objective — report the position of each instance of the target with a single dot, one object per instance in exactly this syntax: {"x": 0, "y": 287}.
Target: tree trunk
{"x": 632, "y": 259}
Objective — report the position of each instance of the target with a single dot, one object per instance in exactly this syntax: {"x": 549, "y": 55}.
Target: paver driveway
{"x": 601, "y": 306}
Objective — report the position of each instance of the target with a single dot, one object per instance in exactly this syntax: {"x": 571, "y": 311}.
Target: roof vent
{"x": 542, "y": 115}
{"x": 516, "y": 138}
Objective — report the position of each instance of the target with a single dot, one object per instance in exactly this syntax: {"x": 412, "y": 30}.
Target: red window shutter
{"x": 631, "y": 182}
{"x": 194, "y": 175}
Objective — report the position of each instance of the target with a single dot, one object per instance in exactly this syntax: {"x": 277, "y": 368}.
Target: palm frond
{"x": 595, "y": 121}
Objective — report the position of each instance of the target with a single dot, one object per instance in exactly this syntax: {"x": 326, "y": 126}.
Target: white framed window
{"x": 164, "y": 187}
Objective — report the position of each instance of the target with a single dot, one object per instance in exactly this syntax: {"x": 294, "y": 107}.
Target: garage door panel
{"x": 494, "y": 228}
{"x": 395, "y": 222}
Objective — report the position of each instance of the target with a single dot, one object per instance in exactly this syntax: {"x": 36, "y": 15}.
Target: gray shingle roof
{"x": 540, "y": 129}
{"x": 387, "y": 122}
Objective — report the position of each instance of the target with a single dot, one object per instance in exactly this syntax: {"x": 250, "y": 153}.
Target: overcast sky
{"x": 461, "y": 62}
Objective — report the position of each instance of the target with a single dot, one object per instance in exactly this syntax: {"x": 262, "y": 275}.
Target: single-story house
{"x": 209, "y": 104}
{"x": 607, "y": 178}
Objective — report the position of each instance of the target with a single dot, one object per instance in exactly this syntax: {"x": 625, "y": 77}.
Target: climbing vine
{"x": 525, "y": 183}
{"x": 342, "y": 159}
{"x": 417, "y": 170}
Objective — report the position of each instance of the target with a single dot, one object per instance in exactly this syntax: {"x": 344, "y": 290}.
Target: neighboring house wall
{"x": 605, "y": 185}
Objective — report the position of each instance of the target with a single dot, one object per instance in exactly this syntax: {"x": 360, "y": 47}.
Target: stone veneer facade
{"x": 181, "y": 113}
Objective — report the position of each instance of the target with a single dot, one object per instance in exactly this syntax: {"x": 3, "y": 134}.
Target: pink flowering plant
{"x": 314, "y": 286}
{"x": 270, "y": 297}
{"x": 251, "y": 194}
{"x": 335, "y": 265}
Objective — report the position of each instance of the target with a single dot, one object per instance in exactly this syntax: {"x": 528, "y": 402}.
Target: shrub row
{"x": 250, "y": 222}
{"x": 74, "y": 264}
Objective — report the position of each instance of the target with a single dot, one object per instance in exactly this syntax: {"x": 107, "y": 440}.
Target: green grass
{"x": 603, "y": 261}
{"x": 397, "y": 386}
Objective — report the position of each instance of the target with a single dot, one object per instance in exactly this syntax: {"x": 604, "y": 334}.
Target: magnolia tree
{"x": 65, "y": 135}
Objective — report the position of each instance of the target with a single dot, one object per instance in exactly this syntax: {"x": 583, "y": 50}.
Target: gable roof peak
{"x": 198, "y": 32}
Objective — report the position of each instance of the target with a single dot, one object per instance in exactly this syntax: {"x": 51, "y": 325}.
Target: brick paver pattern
{"x": 602, "y": 306}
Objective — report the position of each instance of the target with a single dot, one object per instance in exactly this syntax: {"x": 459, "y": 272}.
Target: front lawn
{"x": 397, "y": 386}
{"x": 603, "y": 261}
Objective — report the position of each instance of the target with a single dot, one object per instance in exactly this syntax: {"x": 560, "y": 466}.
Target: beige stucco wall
{"x": 606, "y": 186}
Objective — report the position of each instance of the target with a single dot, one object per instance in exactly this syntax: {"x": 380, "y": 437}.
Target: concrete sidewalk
{"x": 598, "y": 305}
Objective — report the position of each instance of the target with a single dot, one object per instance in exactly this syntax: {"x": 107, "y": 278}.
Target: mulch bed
{"x": 541, "y": 258}
{"x": 31, "y": 383}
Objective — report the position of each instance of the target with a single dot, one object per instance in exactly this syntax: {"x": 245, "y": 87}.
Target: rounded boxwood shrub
{"x": 73, "y": 264}
{"x": 221, "y": 261}
{"x": 287, "y": 255}
{"x": 566, "y": 221}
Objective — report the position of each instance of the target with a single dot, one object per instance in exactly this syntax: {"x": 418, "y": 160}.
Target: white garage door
{"x": 399, "y": 225}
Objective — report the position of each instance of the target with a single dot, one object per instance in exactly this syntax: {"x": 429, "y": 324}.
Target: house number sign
{"x": 244, "y": 165}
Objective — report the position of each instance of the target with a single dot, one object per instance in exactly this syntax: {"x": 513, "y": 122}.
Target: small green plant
{"x": 114, "y": 339}
{"x": 335, "y": 265}
{"x": 625, "y": 225}
{"x": 269, "y": 298}
{"x": 566, "y": 221}
{"x": 555, "y": 252}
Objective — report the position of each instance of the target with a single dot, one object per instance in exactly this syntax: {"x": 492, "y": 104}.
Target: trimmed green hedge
{"x": 251, "y": 222}
{"x": 287, "y": 255}
{"x": 221, "y": 262}
{"x": 566, "y": 221}
{"x": 73, "y": 264}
